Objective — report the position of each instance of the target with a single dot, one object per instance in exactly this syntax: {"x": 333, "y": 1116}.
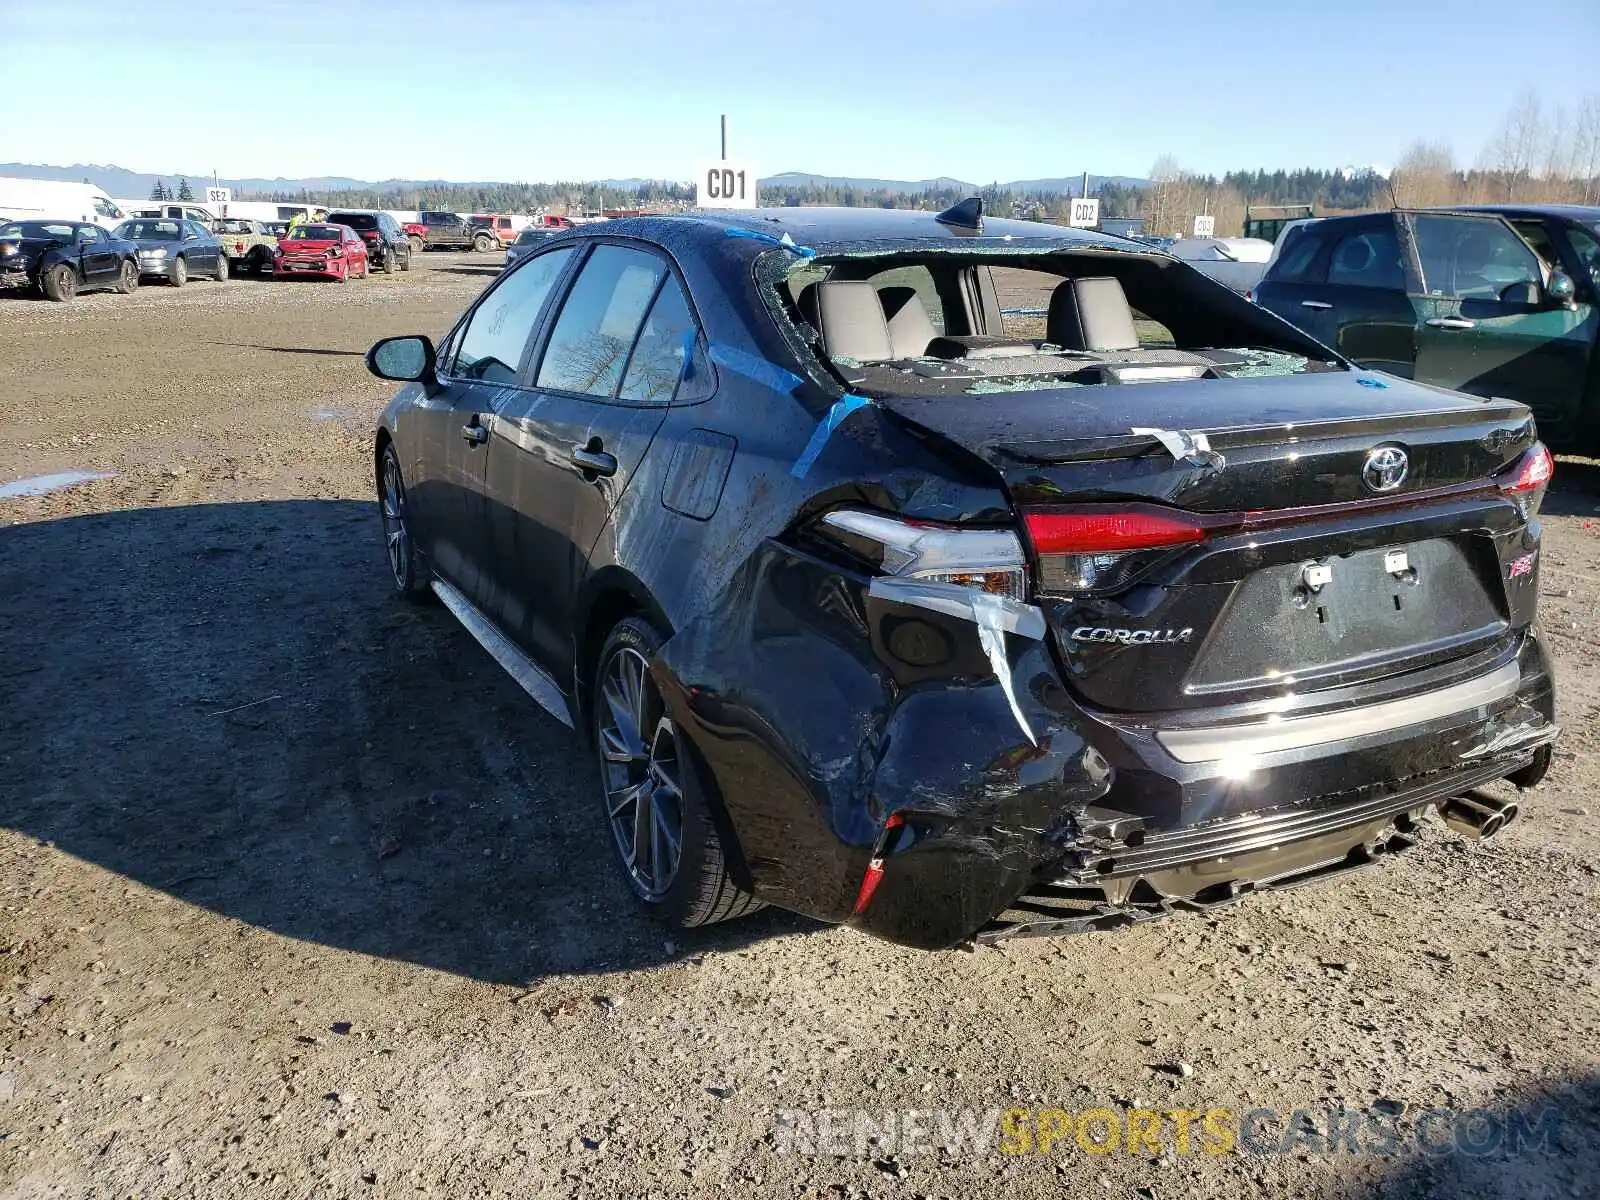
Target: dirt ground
{"x": 301, "y": 897}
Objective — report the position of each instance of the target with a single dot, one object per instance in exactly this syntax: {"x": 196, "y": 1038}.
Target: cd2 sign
{"x": 726, "y": 185}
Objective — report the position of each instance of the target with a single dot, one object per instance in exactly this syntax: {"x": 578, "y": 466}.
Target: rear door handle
{"x": 1317, "y": 304}
{"x": 595, "y": 462}
{"x": 1451, "y": 323}
{"x": 475, "y": 433}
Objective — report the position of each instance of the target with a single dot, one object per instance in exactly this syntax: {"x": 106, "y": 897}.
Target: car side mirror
{"x": 403, "y": 359}
{"x": 1561, "y": 289}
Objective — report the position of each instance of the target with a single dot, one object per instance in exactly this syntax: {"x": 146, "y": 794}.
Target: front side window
{"x": 588, "y": 351}
{"x": 1470, "y": 258}
{"x": 498, "y": 330}
{"x": 1368, "y": 258}
{"x": 88, "y": 233}
{"x": 1586, "y": 249}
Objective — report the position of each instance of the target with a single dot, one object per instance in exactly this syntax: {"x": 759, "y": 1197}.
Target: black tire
{"x": 222, "y": 268}
{"x": 405, "y": 263}
{"x": 408, "y": 569}
{"x": 694, "y": 887}
{"x": 482, "y": 244}
{"x": 257, "y": 262}
{"x": 389, "y": 255}
{"x": 178, "y": 272}
{"x": 1533, "y": 774}
{"x": 128, "y": 278}
{"x": 59, "y": 283}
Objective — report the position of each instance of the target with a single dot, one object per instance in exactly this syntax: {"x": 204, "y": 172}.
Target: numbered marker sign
{"x": 218, "y": 195}
{"x": 1205, "y": 227}
{"x": 1083, "y": 213}
{"x": 726, "y": 184}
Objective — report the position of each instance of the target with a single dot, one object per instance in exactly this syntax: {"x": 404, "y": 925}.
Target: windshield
{"x": 355, "y": 220}
{"x": 35, "y": 229}
{"x": 316, "y": 233}
{"x": 530, "y": 235}
{"x": 149, "y": 231}
{"x": 237, "y": 227}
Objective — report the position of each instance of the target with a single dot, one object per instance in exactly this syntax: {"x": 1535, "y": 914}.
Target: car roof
{"x": 1572, "y": 212}
{"x": 840, "y": 229}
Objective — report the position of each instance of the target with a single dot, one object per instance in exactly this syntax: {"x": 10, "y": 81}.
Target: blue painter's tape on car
{"x": 841, "y": 409}
{"x": 686, "y": 369}
{"x": 785, "y": 241}
{"x": 1371, "y": 383}
{"x": 757, "y": 369}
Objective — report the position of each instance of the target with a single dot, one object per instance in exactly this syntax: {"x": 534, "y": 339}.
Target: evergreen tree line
{"x": 183, "y": 192}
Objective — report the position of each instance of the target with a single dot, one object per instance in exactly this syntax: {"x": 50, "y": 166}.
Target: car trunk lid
{"x": 1255, "y": 554}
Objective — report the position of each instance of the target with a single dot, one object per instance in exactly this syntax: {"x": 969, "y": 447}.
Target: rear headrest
{"x": 850, "y": 320}
{"x": 1091, "y": 314}
{"x": 910, "y": 328}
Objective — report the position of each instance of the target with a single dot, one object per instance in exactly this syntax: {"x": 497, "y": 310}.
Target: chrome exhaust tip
{"x": 1478, "y": 817}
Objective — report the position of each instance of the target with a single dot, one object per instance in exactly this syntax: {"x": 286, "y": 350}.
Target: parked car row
{"x": 59, "y": 259}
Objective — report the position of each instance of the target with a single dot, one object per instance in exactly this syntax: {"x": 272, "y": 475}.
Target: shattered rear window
{"x": 980, "y": 322}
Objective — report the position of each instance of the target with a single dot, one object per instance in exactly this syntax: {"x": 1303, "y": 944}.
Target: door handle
{"x": 594, "y": 461}
{"x": 1450, "y": 323}
{"x": 1316, "y": 304}
{"x": 475, "y": 433}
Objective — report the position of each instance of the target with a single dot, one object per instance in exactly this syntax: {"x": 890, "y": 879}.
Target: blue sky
{"x": 976, "y": 89}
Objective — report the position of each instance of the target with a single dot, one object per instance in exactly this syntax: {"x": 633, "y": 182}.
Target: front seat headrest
{"x": 1091, "y": 314}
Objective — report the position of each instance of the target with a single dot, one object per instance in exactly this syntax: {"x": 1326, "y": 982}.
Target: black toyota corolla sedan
{"x": 961, "y": 578}
{"x": 63, "y": 258}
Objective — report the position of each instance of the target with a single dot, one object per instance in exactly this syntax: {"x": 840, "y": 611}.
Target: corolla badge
{"x": 1385, "y": 468}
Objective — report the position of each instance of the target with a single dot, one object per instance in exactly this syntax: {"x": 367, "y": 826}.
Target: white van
{"x": 50, "y": 199}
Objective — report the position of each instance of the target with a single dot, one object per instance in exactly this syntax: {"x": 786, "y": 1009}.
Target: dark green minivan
{"x": 1499, "y": 300}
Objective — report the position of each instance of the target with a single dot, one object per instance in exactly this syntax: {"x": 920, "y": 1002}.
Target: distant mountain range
{"x": 1068, "y": 185}
{"x": 120, "y": 181}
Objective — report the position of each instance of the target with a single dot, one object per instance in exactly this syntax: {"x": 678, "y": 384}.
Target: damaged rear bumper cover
{"x": 907, "y": 756}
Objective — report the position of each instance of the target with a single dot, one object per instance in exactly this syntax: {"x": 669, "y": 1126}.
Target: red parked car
{"x": 325, "y": 251}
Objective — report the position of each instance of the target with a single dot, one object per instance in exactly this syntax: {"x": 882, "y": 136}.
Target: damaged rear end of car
{"x": 1067, "y": 627}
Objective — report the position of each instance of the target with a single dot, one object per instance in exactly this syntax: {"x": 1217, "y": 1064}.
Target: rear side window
{"x": 656, "y": 369}
{"x": 588, "y": 350}
{"x": 1295, "y": 263}
{"x": 499, "y": 329}
{"x": 1367, "y": 258}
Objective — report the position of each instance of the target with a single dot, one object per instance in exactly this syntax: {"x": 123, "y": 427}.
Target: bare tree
{"x": 1585, "y": 162}
{"x": 1425, "y": 176}
{"x": 1515, "y": 146}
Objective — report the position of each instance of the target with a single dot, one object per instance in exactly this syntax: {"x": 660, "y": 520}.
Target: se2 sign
{"x": 726, "y": 184}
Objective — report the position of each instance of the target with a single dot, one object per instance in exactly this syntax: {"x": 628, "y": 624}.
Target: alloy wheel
{"x": 641, "y": 772}
{"x": 396, "y": 537}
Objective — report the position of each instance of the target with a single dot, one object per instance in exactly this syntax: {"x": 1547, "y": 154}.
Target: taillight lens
{"x": 989, "y": 560}
{"x": 1534, "y": 470}
{"x": 1101, "y": 550}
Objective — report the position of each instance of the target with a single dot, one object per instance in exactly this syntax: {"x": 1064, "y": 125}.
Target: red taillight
{"x": 1110, "y": 532}
{"x": 1534, "y": 471}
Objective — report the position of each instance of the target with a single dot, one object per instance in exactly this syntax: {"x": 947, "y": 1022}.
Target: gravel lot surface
{"x": 301, "y": 897}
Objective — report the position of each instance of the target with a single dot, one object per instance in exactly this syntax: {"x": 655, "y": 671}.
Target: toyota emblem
{"x": 1385, "y": 468}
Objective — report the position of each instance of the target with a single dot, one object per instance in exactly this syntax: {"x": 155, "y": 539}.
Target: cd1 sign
{"x": 726, "y": 184}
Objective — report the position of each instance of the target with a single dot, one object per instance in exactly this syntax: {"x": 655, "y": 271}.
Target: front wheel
{"x": 654, "y": 797}
{"x": 128, "y": 278}
{"x": 482, "y": 245}
{"x": 222, "y": 268}
{"x": 405, "y": 263}
{"x": 60, "y": 283}
{"x": 178, "y": 273}
{"x": 406, "y": 565}
{"x": 387, "y": 266}
{"x": 417, "y": 245}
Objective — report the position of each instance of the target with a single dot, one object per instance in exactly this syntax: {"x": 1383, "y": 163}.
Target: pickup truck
{"x": 448, "y": 231}
{"x": 249, "y": 245}
{"x": 498, "y": 225}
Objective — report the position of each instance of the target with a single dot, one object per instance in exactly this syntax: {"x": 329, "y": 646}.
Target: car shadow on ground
{"x": 1575, "y": 491}
{"x": 1536, "y": 1143}
{"x": 484, "y": 270}
{"x": 226, "y": 702}
{"x": 292, "y": 349}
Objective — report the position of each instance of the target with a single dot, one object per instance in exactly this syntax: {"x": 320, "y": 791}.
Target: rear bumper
{"x": 1269, "y": 805}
